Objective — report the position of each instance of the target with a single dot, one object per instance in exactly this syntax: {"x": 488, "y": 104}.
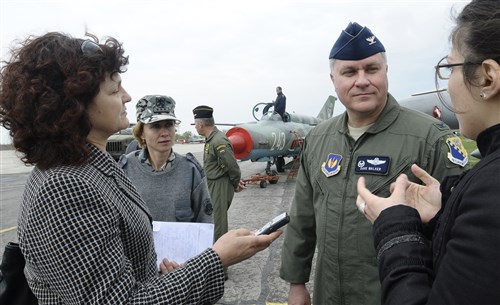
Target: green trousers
{"x": 221, "y": 193}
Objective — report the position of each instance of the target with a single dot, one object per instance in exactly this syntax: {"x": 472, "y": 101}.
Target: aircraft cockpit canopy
{"x": 271, "y": 116}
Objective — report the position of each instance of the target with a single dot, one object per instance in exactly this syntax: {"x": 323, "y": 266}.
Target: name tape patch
{"x": 372, "y": 165}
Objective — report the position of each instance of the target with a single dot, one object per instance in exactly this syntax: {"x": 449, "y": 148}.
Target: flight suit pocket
{"x": 379, "y": 185}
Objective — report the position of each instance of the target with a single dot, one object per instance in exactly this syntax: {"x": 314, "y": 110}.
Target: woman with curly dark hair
{"x": 83, "y": 229}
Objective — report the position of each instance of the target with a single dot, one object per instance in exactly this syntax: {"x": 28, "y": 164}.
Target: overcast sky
{"x": 232, "y": 54}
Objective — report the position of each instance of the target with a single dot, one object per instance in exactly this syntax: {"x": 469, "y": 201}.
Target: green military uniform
{"x": 223, "y": 174}
{"x": 324, "y": 212}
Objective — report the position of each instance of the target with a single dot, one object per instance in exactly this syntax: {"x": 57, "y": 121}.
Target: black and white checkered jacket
{"x": 87, "y": 238}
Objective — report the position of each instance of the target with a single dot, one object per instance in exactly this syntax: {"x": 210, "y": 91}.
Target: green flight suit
{"x": 324, "y": 214}
{"x": 223, "y": 175}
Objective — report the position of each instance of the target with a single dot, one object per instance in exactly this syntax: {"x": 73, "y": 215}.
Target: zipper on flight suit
{"x": 352, "y": 149}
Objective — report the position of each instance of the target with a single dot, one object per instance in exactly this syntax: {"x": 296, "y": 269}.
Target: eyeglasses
{"x": 89, "y": 47}
{"x": 444, "y": 69}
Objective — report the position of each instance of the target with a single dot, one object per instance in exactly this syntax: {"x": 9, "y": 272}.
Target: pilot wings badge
{"x": 376, "y": 161}
{"x": 331, "y": 166}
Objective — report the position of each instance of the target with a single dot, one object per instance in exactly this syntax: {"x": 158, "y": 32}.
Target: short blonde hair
{"x": 137, "y": 132}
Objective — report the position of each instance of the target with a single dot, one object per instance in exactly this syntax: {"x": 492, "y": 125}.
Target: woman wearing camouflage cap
{"x": 173, "y": 186}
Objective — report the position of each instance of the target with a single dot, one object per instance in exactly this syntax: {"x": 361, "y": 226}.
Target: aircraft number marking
{"x": 278, "y": 141}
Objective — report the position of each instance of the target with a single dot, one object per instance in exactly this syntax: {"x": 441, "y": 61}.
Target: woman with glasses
{"x": 173, "y": 186}
{"x": 83, "y": 229}
{"x": 439, "y": 243}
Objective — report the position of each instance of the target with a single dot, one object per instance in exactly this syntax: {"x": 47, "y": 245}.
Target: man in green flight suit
{"x": 374, "y": 138}
{"x": 222, "y": 170}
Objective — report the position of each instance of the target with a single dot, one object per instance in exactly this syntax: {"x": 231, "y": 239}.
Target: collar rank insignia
{"x": 331, "y": 166}
{"x": 457, "y": 153}
{"x": 372, "y": 165}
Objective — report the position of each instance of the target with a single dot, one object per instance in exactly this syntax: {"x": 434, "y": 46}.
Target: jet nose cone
{"x": 241, "y": 141}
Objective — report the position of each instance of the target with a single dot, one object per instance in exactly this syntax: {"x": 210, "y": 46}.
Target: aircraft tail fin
{"x": 327, "y": 110}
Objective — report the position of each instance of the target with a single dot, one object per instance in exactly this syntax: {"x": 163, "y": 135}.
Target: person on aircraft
{"x": 374, "y": 137}
{"x": 461, "y": 214}
{"x": 280, "y": 103}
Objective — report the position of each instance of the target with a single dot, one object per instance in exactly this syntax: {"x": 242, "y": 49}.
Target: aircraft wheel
{"x": 273, "y": 173}
{"x": 280, "y": 162}
{"x": 263, "y": 184}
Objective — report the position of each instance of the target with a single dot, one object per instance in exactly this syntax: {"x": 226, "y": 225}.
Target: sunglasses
{"x": 89, "y": 47}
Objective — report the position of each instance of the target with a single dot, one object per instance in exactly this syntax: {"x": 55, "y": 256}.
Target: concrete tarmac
{"x": 254, "y": 281}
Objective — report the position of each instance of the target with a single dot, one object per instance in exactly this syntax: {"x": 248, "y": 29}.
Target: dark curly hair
{"x": 45, "y": 90}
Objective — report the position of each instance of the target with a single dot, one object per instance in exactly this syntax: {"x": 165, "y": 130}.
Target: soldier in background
{"x": 222, "y": 170}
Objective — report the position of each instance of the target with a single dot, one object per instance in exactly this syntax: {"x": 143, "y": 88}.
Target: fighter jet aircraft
{"x": 428, "y": 102}
{"x": 271, "y": 139}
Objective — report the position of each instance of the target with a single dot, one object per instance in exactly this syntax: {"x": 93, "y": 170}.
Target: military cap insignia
{"x": 371, "y": 40}
{"x": 331, "y": 166}
{"x": 457, "y": 154}
{"x": 154, "y": 108}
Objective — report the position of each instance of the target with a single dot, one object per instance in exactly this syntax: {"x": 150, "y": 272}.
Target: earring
{"x": 482, "y": 95}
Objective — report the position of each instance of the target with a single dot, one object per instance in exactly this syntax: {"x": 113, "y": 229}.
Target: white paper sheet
{"x": 180, "y": 241}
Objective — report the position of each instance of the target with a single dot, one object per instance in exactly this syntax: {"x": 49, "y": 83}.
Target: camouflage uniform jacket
{"x": 324, "y": 213}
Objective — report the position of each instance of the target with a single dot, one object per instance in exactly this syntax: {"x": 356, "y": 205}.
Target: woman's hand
{"x": 426, "y": 198}
{"x": 238, "y": 245}
{"x": 167, "y": 266}
{"x": 372, "y": 205}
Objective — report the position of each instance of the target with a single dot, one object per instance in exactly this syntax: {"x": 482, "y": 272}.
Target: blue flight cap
{"x": 356, "y": 42}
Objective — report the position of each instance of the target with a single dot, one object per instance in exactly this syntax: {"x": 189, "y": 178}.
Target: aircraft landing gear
{"x": 280, "y": 163}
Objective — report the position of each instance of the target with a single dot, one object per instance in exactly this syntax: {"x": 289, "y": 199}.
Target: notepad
{"x": 180, "y": 241}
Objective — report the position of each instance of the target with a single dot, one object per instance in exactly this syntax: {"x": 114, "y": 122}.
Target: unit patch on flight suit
{"x": 331, "y": 166}
{"x": 221, "y": 149}
{"x": 457, "y": 153}
{"x": 372, "y": 165}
